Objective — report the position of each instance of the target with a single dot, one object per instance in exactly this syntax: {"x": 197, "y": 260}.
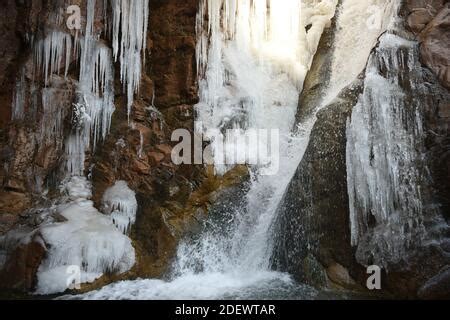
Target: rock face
{"x": 171, "y": 199}
{"x": 437, "y": 287}
{"x": 19, "y": 273}
{"x": 313, "y": 220}
{"x": 174, "y": 73}
{"x": 429, "y": 20}
{"x": 315, "y": 229}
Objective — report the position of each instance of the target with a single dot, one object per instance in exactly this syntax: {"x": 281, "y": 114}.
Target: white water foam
{"x": 231, "y": 258}
{"x": 240, "y": 89}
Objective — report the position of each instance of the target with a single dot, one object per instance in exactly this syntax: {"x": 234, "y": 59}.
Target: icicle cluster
{"x": 130, "y": 23}
{"x": 51, "y": 52}
{"x": 95, "y": 105}
{"x": 119, "y": 202}
{"x": 88, "y": 238}
{"x": 385, "y": 168}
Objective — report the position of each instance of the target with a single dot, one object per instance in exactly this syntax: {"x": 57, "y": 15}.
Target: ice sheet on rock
{"x": 119, "y": 202}
{"x": 386, "y": 169}
{"x": 57, "y": 279}
{"x": 360, "y": 25}
{"x": 87, "y": 239}
{"x": 55, "y": 102}
{"x": 77, "y": 188}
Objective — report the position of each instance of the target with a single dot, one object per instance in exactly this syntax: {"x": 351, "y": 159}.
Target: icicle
{"x": 18, "y": 103}
{"x": 141, "y": 144}
{"x": 75, "y": 153}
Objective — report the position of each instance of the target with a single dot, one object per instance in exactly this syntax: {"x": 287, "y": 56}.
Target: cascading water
{"x": 253, "y": 57}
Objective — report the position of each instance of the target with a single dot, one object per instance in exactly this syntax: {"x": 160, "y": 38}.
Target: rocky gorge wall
{"x": 315, "y": 239}
{"x": 316, "y": 227}
{"x": 137, "y": 150}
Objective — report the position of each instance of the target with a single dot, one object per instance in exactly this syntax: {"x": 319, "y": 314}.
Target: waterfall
{"x": 254, "y": 65}
{"x": 252, "y": 59}
{"x": 360, "y": 23}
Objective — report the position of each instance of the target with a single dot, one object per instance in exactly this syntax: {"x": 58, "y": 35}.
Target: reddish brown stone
{"x": 21, "y": 267}
{"x": 165, "y": 149}
{"x": 435, "y": 45}
{"x": 156, "y": 157}
{"x": 141, "y": 167}
{"x": 13, "y": 202}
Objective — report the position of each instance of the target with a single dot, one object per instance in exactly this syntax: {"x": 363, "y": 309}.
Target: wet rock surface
{"x": 314, "y": 227}
{"x": 314, "y": 216}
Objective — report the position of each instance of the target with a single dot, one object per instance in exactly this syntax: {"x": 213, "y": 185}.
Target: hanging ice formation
{"x": 119, "y": 202}
{"x": 51, "y": 52}
{"x": 88, "y": 239}
{"x": 386, "y": 170}
{"x": 129, "y": 40}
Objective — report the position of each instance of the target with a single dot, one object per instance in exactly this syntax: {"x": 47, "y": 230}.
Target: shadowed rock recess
{"x": 86, "y": 175}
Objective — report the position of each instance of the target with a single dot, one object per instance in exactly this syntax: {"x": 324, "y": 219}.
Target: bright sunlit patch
{"x": 271, "y": 28}
{"x": 284, "y": 29}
